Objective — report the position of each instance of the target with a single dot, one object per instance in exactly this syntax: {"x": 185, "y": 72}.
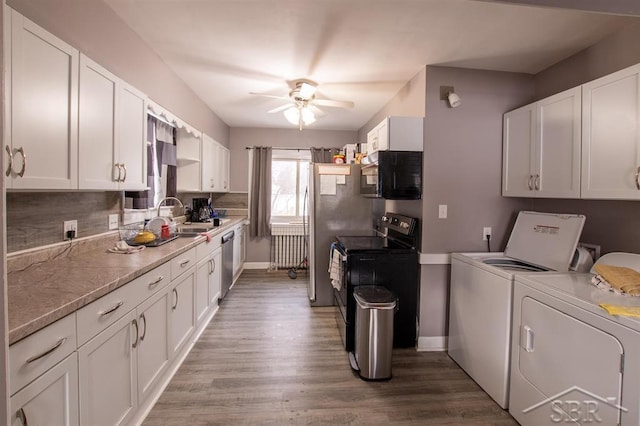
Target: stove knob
{"x": 404, "y": 225}
{"x": 384, "y": 219}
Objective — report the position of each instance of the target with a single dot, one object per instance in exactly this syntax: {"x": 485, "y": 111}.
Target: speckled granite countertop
{"x": 43, "y": 290}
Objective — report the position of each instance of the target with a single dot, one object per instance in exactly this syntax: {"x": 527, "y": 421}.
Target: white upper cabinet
{"x": 396, "y": 134}
{"x": 188, "y": 153}
{"x": 132, "y": 138}
{"x": 518, "y": 151}
{"x": 112, "y": 130}
{"x": 97, "y": 127}
{"x": 215, "y": 166}
{"x": 42, "y": 103}
{"x": 541, "y": 148}
{"x": 611, "y": 136}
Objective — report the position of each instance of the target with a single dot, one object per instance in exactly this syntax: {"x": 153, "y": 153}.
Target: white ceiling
{"x": 358, "y": 50}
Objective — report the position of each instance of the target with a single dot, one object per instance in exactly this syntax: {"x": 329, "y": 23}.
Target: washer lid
{"x": 545, "y": 239}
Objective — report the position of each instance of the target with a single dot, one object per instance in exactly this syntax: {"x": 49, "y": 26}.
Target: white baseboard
{"x": 432, "y": 344}
{"x": 435, "y": 258}
{"x": 256, "y": 265}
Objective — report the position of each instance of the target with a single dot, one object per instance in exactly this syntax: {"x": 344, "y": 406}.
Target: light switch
{"x": 442, "y": 211}
{"x": 113, "y": 221}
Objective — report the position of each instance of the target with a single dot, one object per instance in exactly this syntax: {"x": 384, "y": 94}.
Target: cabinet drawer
{"x": 148, "y": 284}
{"x": 35, "y": 354}
{"x": 99, "y": 315}
{"x": 182, "y": 263}
{"x": 205, "y": 249}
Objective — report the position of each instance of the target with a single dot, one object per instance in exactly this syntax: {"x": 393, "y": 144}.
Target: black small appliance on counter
{"x": 389, "y": 260}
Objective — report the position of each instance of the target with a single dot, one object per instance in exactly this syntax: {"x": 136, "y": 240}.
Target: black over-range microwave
{"x": 393, "y": 175}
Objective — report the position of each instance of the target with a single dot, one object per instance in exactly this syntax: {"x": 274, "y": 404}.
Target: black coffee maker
{"x": 201, "y": 211}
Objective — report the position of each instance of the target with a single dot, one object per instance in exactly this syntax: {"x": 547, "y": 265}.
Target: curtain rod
{"x": 282, "y": 148}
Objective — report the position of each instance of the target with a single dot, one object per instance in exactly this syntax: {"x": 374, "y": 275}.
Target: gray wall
{"x": 93, "y": 28}
{"x": 611, "y": 224}
{"x": 463, "y": 169}
{"x": 258, "y": 248}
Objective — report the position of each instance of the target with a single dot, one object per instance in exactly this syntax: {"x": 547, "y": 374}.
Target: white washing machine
{"x": 480, "y": 298}
{"x": 572, "y": 362}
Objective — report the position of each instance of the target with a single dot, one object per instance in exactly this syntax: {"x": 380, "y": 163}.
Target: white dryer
{"x": 480, "y": 298}
{"x": 571, "y": 362}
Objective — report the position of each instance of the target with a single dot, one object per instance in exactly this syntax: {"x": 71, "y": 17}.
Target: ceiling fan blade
{"x": 317, "y": 111}
{"x": 332, "y": 103}
{"x": 269, "y": 96}
{"x": 280, "y": 108}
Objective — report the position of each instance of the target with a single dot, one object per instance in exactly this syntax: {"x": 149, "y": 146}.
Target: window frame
{"x": 299, "y": 157}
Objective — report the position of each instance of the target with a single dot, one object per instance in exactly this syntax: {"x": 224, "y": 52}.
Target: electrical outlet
{"x": 113, "y": 221}
{"x": 442, "y": 211}
{"x": 69, "y": 225}
{"x": 486, "y": 231}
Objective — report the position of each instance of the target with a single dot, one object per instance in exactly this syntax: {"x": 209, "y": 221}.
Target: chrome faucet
{"x": 168, "y": 198}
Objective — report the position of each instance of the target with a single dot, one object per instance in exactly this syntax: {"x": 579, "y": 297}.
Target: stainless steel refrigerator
{"x": 335, "y": 208}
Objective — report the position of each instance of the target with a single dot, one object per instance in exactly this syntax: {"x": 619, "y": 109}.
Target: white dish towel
{"x": 335, "y": 268}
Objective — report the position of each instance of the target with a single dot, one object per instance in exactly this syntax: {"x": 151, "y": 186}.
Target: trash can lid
{"x": 374, "y": 296}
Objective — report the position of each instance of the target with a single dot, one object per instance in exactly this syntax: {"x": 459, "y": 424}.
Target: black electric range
{"x": 389, "y": 260}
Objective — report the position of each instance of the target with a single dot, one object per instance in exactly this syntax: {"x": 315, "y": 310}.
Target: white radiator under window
{"x": 288, "y": 245}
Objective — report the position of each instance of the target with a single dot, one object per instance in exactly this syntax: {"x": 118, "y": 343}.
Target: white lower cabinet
{"x": 108, "y": 374}
{"x": 182, "y": 312}
{"x": 106, "y": 363}
{"x": 153, "y": 347}
{"x": 52, "y": 399}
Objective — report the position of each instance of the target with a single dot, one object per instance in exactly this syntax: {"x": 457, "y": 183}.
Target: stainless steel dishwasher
{"x": 227, "y": 263}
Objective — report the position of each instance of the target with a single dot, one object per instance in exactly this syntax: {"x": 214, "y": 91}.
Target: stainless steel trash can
{"x": 375, "y": 307}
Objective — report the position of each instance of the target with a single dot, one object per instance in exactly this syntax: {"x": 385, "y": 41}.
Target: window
{"x": 289, "y": 180}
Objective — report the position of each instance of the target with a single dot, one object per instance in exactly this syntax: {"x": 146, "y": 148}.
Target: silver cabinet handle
{"x": 111, "y": 309}
{"x": 22, "y": 416}
{"x": 117, "y": 165}
{"x": 173, "y": 308}
{"x": 637, "y": 178}
{"x": 135, "y": 341}
{"x": 144, "y": 320}
{"x": 184, "y": 263}
{"x": 125, "y": 172}
{"x": 529, "y": 183}
{"x": 24, "y": 162}
{"x": 536, "y": 183}
{"x": 156, "y": 282}
{"x": 10, "y": 165}
{"x": 48, "y": 351}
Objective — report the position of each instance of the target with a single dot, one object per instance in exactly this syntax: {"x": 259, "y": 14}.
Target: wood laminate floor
{"x": 267, "y": 357}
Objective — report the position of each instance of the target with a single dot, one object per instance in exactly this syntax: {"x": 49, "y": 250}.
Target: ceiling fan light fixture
{"x": 292, "y": 115}
{"x": 308, "y": 117}
{"x": 306, "y": 90}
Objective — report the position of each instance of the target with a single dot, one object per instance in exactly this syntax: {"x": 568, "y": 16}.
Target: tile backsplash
{"x": 35, "y": 219}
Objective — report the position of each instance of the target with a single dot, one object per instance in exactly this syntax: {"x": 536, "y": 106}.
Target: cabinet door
{"x": 210, "y": 165}
{"x": 109, "y": 395}
{"x": 215, "y": 277}
{"x": 203, "y": 273}
{"x": 383, "y": 135}
{"x": 42, "y": 88}
{"x": 518, "y": 152}
{"x": 611, "y": 136}
{"x": 52, "y": 399}
{"x": 132, "y": 138}
{"x": 189, "y": 173}
{"x": 153, "y": 349}
{"x": 557, "y": 171}
{"x": 224, "y": 168}
{"x": 182, "y": 312}
{"x": 97, "y": 138}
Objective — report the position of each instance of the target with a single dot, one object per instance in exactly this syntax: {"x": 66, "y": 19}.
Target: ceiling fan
{"x": 303, "y": 105}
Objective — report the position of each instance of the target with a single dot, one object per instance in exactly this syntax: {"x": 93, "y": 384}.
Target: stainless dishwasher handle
{"x": 111, "y": 309}
{"x": 22, "y": 416}
{"x": 10, "y": 166}
{"x": 156, "y": 282}
{"x": 47, "y": 352}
